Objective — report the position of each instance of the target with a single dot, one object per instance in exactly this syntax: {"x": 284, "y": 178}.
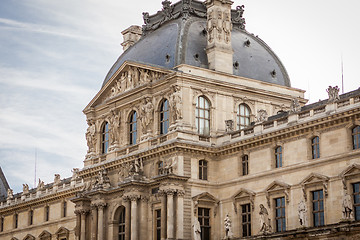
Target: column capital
{"x": 180, "y": 193}
{"x": 84, "y": 211}
{"x": 101, "y": 205}
{"x": 170, "y": 192}
{"x": 144, "y": 198}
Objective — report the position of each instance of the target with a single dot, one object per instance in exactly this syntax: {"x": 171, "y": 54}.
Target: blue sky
{"x": 54, "y": 55}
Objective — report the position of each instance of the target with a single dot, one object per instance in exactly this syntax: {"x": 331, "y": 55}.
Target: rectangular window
{"x": 280, "y": 214}
{"x": 245, "y": 165}
{"x": 47, "y": 213}
{"x": 1, "y": 224}
{"x": 246, "y": 220}
{"x": 64, "y": 209}
{"x": 204, "y": 220}
{"x": 16, "y": 220}
{"x": 278, "y": 157}
{"x": 203, "y": 169}
{"x": 356, "y": 192}
{"x": 318, "y": 208}
{"x": 315, "y": 147}
{"x": 158, "y": 224}
{"x": 31, "y": 217}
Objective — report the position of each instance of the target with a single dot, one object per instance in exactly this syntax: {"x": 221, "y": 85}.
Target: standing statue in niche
{"x": 227, "y": 225}
{"x": 197, "y": 229}
{"x": 176, "y": 103}
{"x": 302, "y": 212}
{"x": 265, "y": 226}
{"x": 41, "y": 185}
{"x": 90, "y": 136}
{"x": 114, "y": 127}
{"x": 147, "y": 111}
{"x": 347, "y": 207}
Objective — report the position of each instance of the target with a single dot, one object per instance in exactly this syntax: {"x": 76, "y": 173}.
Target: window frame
{"x": 203, "y": 108}
{"x": 355, "y": 137}
{"x": 282, "y": 217}
{"x": 16, "y": 220}
{"x": 245, "y": 164}
{"x": 320, "y": 211}
{"x": 105, "y": 138}
{"x": 164, "y": 117}
{"x": 355, "y": 203}
{"x": 279, "y": 157}
{"x": 203, "y": 169}
{"x": 315, "y": 147}
{"x": 31, "y": 217}
{"x": 47, "y": 213}
{"x": 2, "y": 223}
{"x": 203, "y": 218}
{"x": 133, "y": 128}
{"x": 157, "y": 224}
{"x": 64, "y": 209}
{"x": 247, "y": 223}
{"x": 244, "y": 115}
{"x": 122, "y": 224}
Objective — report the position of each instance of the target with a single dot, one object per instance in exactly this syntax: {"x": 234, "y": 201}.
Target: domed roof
{"x": 177, "y": 35}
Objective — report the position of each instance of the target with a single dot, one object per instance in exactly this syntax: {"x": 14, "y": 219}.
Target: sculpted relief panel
{"x": 219, "y": 25}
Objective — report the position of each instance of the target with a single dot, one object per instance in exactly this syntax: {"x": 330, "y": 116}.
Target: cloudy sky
{"x": 54, "y": 55}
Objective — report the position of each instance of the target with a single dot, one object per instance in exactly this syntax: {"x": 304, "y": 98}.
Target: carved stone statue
{"x": 57, "y": 179}
{"x": 197, "y": 229}
{"x": 75, "y": 174}
{"x": 90, "y": 136}
{"x": 227, "y": 224}
{"x": 41, "y": 185}
{"x": 147, "y": 115}
{"x": 176, "y": 103}
{"x": 114, "y": 127}
{"x": 333, "y": 93}
{"x": 262, "y": 115}
{"x": 137, "y": 167}
{"x": 302, "y": 212}
{"x": 229, "y": 125}
{"x": 167, "y": 10}
{"x": 265, "y": 226}
{"x": 239, "y": 16}
{"x": 10, "y": 194}
{"x": 169, "y": 165}
{"x": 144, "y": 76}
{"x": 102, "y": 181}
{"x": 146, "y": 18}
{"x": 347, "y": 207}
{"x": 25, "y": 189}
{"x": 295, "y": 105}
{"x": 227, "y": 26}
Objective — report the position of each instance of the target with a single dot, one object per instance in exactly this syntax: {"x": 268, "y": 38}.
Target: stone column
{"x": 101, "y": 207}
{"x": 163, "y": 215}
{"x": 170, "y": 214}
{"x": 83, "y": 225}
{"x": 127, "y": 218}
{"x": 78, "y": 224}
{"x": 180, "y": 215}
{"x": 94, "y": 222}
{"x": 134, "y": 229}
{"x": 144, "y": 217}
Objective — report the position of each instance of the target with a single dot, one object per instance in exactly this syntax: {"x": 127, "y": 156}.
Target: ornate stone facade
{"x": 291, "y": 171}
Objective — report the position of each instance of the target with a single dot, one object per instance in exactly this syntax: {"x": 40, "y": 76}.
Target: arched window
{"x": 164, "y": 117}
{"x": 356, "y": 137}
{"x": 315, "y": 147}
{"x": 132, "y": 128}
{"x": 203, "y": 169}
{"x": 122, "y": 225}
{"x": 105, "y": 138}
{"x": 245, "y": 165}
{"x": 202, "y": 116}
{"x": 243, "y": 116}
{"x": 278, "y": 157}
{"x": 160, "y": 166}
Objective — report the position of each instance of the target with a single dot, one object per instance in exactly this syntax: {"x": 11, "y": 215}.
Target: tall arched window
{"x": 315, "y": 147}
{"x": 132, "y": 128}
{"x": 164, "y": 116}
{"x": 278, "y": 157}
{"x": 122, "y": 225}
{"x": 356, "y": 137}
{"x": 243, "y": 116}
{"x": 202, "y": 116}
{"x": 105, "y": 138}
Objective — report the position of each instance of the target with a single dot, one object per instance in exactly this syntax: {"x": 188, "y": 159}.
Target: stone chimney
{"x": 131, "y": 35}
{"x": 219, "y": 50}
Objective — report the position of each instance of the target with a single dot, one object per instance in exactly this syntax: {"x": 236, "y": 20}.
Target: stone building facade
{"x": 197, "y": 133}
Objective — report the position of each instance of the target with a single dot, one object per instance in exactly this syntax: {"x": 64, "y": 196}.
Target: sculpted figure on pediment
{"x": 176, "y": 103}
{"x": 57, "y": 179}
{"x": 25, "y": 189}
{"x": 10, "y": 194}
{"x": 41, "y": 185}
{"x": 124, "y": 171}
{"x": 102, "y": 181}
{"x": 147, "y": 115}
{"x": 90, "y": 136}
{"x": 114, "y": 127}
{"x": 144, "y": 76}
{"x": 333, "y": 93}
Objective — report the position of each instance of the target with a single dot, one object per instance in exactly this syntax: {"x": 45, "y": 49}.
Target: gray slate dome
{"x": 177, "y": 35}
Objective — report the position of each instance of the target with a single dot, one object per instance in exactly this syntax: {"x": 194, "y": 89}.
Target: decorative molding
{"x": 315, "y": 179}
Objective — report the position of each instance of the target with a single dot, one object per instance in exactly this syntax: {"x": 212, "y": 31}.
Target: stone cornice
{"x": 23, "y": 205}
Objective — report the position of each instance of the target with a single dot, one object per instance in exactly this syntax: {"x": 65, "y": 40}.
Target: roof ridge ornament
{"x": 237, "y": 17}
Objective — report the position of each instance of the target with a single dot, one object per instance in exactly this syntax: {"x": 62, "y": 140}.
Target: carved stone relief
{"x": 90, "y": 136}
{"x": 102, "y": 181}
{"x": 114, "y": 128}
{"x": 176, "y": 103}
{"x": 147, "y": 115}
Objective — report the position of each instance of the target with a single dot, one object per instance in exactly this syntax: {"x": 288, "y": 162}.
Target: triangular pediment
{"x": 129, "y": 76}
{"x": 62, "y": 230}
{"x": 352, "y": 170}
{"x": 45, "y": 234}
{"x": 206, "y": 197}
{"x": 29, "y": 237}
{"x": 314, "y": 178}
{"x": 277, "y": 186}
{"x": 243, "y": 193}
